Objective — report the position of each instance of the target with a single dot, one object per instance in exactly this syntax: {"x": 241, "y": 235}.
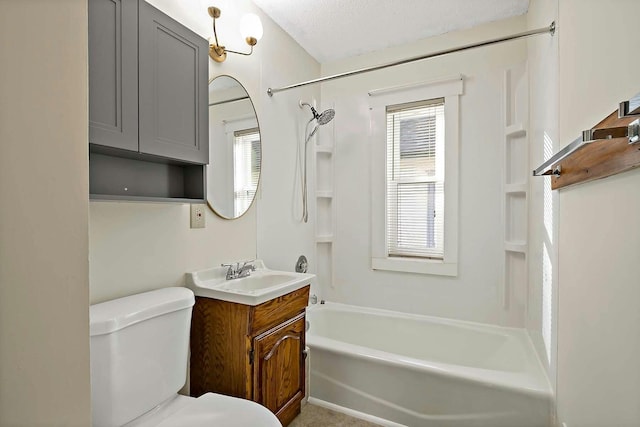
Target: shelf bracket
{"x": 634, "y": 132}
{"x": 547, "y": 168}
{"x": 630, "y": 107}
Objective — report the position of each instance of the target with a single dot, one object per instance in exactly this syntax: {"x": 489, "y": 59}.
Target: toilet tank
{"x": 139, "y": 350}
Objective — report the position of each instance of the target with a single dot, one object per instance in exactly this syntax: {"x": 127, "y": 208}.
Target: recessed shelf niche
{"x": 516, "y": 193}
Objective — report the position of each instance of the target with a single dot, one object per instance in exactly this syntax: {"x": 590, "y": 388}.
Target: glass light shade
{"x": 250, "y": 26}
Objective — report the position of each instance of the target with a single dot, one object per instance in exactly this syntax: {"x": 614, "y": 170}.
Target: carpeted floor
{"x": 316, "y": 416}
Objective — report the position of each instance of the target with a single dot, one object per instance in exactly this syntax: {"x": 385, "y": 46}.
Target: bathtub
{"x": 408, "y": 370}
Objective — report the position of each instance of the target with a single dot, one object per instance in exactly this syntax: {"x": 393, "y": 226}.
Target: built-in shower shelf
{"x": 516, "y": 188}
{"x": 514, "y": 130}
{"x": 515, "y": 246}
{"x": 324, "y": 149}
{"x": 324, "y": 194}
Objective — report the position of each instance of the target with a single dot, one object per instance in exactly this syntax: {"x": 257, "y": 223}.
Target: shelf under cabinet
{"x": 130, "y": 176}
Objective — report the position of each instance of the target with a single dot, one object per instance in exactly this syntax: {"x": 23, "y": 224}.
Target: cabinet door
{"x": 278, "y": 381}
{"x": 113, "y": 73}
{"x": 174, "y": 66}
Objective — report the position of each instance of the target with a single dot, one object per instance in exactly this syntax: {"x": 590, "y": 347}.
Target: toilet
{"x": 139, "y": 350}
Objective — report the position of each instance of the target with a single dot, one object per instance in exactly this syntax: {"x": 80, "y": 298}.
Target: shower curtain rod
{"x": 226, "y": 101}
{"x": 551, "y": 29}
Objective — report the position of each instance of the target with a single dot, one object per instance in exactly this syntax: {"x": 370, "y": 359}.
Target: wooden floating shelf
{"x": 602, "y": 151}
{"x": 599, "y": 159}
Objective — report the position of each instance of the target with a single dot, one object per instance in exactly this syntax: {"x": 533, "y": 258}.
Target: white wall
{"x": 599, "y": 319}
{"x": 44, "y": 272}
{"x": 139, "y": 246}
{"x": 543, "y": 65}
{"x": 475, "y": 293}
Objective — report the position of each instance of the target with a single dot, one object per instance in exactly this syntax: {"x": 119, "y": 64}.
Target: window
{"x": 414, "y": 177}
{"x": 246, "y": 168}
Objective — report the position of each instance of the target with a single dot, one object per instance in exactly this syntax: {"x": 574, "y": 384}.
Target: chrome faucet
{"x": 239, "y": 271}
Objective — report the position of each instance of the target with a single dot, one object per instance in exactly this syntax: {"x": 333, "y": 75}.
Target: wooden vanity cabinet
{"x": 252, "y": 352}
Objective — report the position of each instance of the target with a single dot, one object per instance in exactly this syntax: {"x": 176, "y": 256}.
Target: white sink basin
{"x": 261, "y": 286}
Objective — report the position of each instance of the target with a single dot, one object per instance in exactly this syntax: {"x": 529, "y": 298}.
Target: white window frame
{"x": 249, "y": 171}
{"x": 231, "y": 126}
{"x": 450, "y": 90}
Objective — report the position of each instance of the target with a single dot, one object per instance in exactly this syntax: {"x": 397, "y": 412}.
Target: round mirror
{"x": 234, "y": 148}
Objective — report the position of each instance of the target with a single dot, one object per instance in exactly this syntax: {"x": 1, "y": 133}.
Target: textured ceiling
{"x": 334, "y": 29}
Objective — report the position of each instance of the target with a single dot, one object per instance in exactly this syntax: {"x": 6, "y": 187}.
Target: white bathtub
{"x": 424, "y": 371}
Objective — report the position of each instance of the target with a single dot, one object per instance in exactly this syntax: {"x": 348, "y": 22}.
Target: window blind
{"x": 246, "y": 168}
{"x": 415, "y": 179}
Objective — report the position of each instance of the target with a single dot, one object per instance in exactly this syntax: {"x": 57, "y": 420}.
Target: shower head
{"x": 323, "y": 118}
{"x": 326, "y": 116}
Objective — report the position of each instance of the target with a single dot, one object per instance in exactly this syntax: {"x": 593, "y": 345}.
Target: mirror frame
{"x": 261, "y": 153}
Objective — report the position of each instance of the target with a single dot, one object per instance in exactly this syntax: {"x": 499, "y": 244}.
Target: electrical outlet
{"x": 197, "y": 216}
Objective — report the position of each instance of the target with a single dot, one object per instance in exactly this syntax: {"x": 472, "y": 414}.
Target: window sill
{"x": 411, "y": 265}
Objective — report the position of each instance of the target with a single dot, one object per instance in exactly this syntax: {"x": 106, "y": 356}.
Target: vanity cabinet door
{"x": 278, "y": 382}
{"x": 173, "y": 96}
{"x": 113, "y": 73}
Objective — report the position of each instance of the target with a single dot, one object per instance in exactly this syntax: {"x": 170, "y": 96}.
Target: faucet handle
{"x": 251, "y": 266}
{"x": 231, "y": 272}
{"x": 231, "y": 268}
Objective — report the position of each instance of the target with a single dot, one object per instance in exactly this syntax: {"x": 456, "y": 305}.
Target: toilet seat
{"x": 212, "y": 410}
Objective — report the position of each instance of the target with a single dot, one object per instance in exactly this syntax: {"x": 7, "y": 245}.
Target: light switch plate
{"x": 197, "y": 216}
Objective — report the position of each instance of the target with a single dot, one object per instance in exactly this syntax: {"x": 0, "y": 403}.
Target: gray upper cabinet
{"x": 173, "y": 92}
{"x": 147, "y": 82}
{"x": 113, "y": 73}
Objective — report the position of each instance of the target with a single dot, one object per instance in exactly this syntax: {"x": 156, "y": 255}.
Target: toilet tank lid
{"x": 111, "y": 316}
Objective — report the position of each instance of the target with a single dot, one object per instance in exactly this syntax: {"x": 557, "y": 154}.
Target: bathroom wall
{"x": 141, "y": 246}
{"x": 475, "y": 293}
{"x": 543, "y": 63}
{"x": 599, "y": 248}
{"x": 44, "y": 271}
